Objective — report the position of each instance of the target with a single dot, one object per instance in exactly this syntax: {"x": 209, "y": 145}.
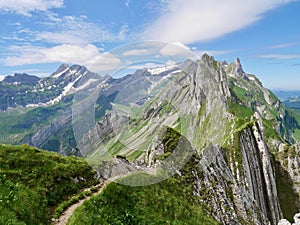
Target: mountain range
{"x": 205, "y": 123}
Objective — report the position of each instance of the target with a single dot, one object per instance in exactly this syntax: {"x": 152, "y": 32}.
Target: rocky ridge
{"x": 236, "y": 170}
{"x": 238, "y": 131}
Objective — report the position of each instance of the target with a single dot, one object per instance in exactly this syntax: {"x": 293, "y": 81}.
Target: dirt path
{"x": 64, "y": 217}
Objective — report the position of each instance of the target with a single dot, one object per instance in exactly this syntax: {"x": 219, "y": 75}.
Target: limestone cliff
{"x": 226, "y": 116}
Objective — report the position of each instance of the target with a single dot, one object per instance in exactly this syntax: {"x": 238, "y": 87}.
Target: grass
{"x": 33, "y": 182}
{"x": 269, "y": 131}
{"x": 66, "y": 204}
{"x": 296, "y": 114}
{"x": 239, "y": 110}
{"x": 167, "y": 202}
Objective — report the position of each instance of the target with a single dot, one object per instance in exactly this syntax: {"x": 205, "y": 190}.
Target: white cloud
{"x": 175, "y": 48}
{"x": 127, "y": 2}
{"x": 136, "y": 52}
{"x": 60, "y": 38}
{"x": 25, "y": 55}
{"x": 123, "y": 32}
{"x": 280, "y": 56}
{"x": 76, "y": 30}
{"x": 72, "y": 54}
{"x": 284, "y": 45}
{"x": 25, "y": 7}
{"x": 143, "y": 66}
{"x": 201, "y": 20}
{"x": 106, "y": 63}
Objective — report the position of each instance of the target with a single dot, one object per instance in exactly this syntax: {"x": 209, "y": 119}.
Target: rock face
{"x": 235, "y": 174}
{"x": 237, "y": 69}
{"x": 259, "y": 173}
{"x": 289, "y": 158}
{"x": 55, "y": 126}
{"x": 239, "y": 189}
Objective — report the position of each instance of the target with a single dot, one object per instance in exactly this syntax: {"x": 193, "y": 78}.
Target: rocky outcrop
{"x": 236, "y": 182}
{"x": 239, "y": 185}
{"x": 289, "y": 157}
{"x": 259, "y": 174}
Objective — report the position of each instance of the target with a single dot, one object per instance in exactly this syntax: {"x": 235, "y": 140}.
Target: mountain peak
{"x": 237, "y": 68}
{"x": 62, "y": 67}
{"x": 237, "y": 61}
{"x": 22, "y": 78}
{"x": 60, "y": 70}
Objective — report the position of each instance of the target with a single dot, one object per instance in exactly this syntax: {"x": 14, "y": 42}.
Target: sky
{"x": 36, "y": 36}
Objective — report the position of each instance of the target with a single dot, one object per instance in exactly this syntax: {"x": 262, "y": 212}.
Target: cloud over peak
{"x": 191, "y": 21}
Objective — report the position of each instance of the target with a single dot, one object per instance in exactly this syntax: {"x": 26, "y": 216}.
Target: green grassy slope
{"x": 168, "y": 202}
{"x": 296, "y": 113}
{"x": 33, "y": 182}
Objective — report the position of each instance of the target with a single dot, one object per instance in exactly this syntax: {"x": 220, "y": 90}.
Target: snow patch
{"x": 59, "y": 74}
{"x": 86, "y": 84}
{"x": 2, "y": 78}
{"x": 159, "y": 70}
{"x": 66, "y": 90}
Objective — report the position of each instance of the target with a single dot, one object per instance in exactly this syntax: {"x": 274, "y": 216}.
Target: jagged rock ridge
{"x": 236, "y": 170}
{"x": 231, "y": 121}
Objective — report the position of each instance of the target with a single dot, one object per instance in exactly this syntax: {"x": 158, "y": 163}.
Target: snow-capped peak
{"x": 159, "y": 70}
{"x": 61, "y": 70}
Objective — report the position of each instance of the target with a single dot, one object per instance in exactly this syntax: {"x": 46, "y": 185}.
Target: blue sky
{"x": 36, "y": 36}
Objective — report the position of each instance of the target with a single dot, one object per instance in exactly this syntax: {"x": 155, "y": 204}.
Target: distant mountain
{"x": 39, "y": 112}
{"x": 284, "y": 95}
{"x": 31, "y": 91}
{"x": 20, "y": 79}
{"x": 293, "y": 102}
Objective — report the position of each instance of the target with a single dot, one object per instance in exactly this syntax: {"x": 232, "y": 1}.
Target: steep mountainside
{"x": 37, "y": 111}
{"x": 204, "y": 122}
{"x": 237, "y": 131}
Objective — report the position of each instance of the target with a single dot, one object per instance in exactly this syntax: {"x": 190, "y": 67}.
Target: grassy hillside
{"x": 296, "y": 114}
{"x": 168, "y": 202}
{"x": 33, "y": 182}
